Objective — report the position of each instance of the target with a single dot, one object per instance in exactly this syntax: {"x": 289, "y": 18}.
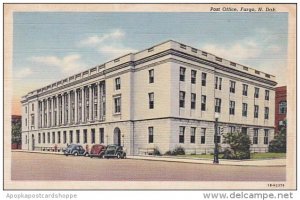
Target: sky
{"x": 50, "y": 46}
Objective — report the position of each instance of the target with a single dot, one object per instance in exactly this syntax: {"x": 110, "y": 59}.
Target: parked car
{"x": 76, "y": 150}
{"x": 114, "y": 151}
{"x": 97, "y": 150}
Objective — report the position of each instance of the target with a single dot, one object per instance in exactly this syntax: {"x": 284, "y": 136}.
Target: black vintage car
{"x": 114, "y": 151}
{"x": 76, "y": 150}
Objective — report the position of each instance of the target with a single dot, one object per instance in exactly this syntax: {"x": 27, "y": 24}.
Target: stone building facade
{"x": 161, "y": 97}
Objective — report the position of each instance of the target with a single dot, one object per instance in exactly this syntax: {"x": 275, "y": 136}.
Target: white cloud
{"x": 23, "y": 72}
{"x": 98, "y": 39}
{"x": 112, "y": 51}
{"x": 67, "y": 64}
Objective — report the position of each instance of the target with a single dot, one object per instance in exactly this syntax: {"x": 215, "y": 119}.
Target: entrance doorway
{"x": 117, "y": 136}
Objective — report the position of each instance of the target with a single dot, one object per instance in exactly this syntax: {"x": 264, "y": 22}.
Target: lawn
{"x": 253, "y": 156}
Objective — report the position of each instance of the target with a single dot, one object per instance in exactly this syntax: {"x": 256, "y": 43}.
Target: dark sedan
{"x": 75, "y": 150}
{"x": 97, "y": 150}
{"x": 114, "y": 151}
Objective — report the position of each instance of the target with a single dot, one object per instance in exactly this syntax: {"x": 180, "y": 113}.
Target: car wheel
{"x": 118, "y": 156}
{"x": 75, "y": 154}
{"x": 101, "y": 155}
{"x": 91, "y": 156}
{"x": 86, "y": 154}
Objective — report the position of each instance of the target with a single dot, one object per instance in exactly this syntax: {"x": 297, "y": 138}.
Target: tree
{"x": 16, "y": 132}
{"x": 239, "y": 146}
{"x": 278, "y": 145}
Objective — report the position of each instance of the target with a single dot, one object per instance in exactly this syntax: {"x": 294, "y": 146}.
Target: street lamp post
{"x": 216, "y": 150}
{"x": 123, "y": 139}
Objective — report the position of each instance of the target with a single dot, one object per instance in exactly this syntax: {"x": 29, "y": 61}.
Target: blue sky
{"x": 48, "y": 46}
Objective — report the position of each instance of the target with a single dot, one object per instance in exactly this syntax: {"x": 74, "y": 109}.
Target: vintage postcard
{"x": 150, "y": 96}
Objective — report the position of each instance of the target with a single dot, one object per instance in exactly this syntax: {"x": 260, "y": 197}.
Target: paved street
{"x": 35, "y": 166}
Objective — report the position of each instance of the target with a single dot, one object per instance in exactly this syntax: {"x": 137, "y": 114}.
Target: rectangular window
{"x": 71, "y": 137}
{"x": 232, "y": 87}
{"x": 44, "y": 138}
{"x": 77, "y": 136}
{"x": 203, "y": 133}
{"x": 217, "y": 105}
{"x": 255, "y": 136}
{"x": 150, "y": 134}
{"x": 256, "y": 93}
{"x": 53, "y": 137}
{"x": 93, "y": 136}
{"x": 266, "y": 136}
{"x": 245, "y": 109}
{"x": 65, "y": 137}
{"x": 101, "y": 131}
{"x": 151, "y": 100}
{"x": 181, "y": 134}
{"x": 193, "y": 133}
{"x": 193, "y": 101}
{"x": 32, "y": 107}
{"x": 218, "y": 83}
{"x": 193, "y": 76}
{"x": 231, "y": 107}
{"x": 117, "y": 104}
{"x": 181, "y": 99}
{"x": 48, "y": 137}
{"x": 255, "y": 111}
{"x": 118, "y": 83}
{"x": 245, "y": 90}
{"x": 203, "y": 102}
{"x": 282, "y": 107}
{"x": 203, "y": 80}
{"x": 39, "y": 139}
{"x": 84, "y": 136}
{"x": 266, "y": 112}
{"x": 182, "y": 74}
{"x": 267, "y": 95}
{"x": 151, "y": 76}
{"x": 231, "y": 129}
{"x": 32, "y": 119}
{"x": 244, "y": 130}
{"x": 219, "y": 135}
{"x": 58, "y": 137}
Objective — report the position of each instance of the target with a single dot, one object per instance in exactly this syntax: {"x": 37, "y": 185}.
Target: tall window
{"x": 193, "y": 76}
{"x": 101, "y": 130}
{"x": 231, "y": 129}
{"x": 118, "y": 83}
{"x": 193, "y": 133}
{"x": 32, "y": 107}
{"x": 231, "y": 107}
{"x": 266, "y": 112}
{"x": 93, "y": 136}
{"x": 44, "y": 138}
{"x": 48, "y": 137}
{"x": 255, "y": 136}
{"x": 218, "y": 138}
{"x": 245, "y": 90}
{"x": 118, "y": 104}
{"x": 256, "y": 92}
{"x": 181, "y": 134}
{"x": 244, "y": 130}
{"x": 203, "y": 79}
{"x": 255, "y": 111}
{"x": 181, "y": 99}
{"x": 232, "y": 86}
{"x": 58, "y": 137}
{"x": 32, "y": 119}
{"x": 182, "y": 74}
{"x": 245, "y": 109}
{"x": 65, "y": 137}
{"x": 151, "y": 100}
{"x": 266, "y": 136}
{"x": 203, "y": 102}
{"x": 150, "y": 134}
{"x": 151, "y": 76}
{"x": 71, "y": 137}
{"x": 53, "y": 137}
{"x": 203, "y": 133}
{"x": 267, "y": 95}
{"x": 193, "y": 100}
{"x": 84, "y": 136}
{"x": 218, "y": 83}
{"x": 217, "y": 105}
{"x": 39, "y": 139}
{"x": 77, "y": 136}
{"x": 282, "y": 107}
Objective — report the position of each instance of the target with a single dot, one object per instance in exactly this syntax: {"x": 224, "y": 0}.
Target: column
{"x": 99, "y": 106}
{"x": 63, "y": 108}
{"x": 52, "y": 111}
{"x": 48, "y": 112}
{"x": 76, "y": 107}
{"x": 91, "y": 103}
{"x": 42, "y": 113}
{"x": 82, "y": 105}
{"x": 70, "y": 107}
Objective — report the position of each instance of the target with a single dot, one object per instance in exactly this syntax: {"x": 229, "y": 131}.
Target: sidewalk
{"x": 259, "y": 163}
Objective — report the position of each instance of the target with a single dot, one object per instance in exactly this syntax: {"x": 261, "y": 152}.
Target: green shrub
{"x": 168, "y": 153}
{"x": 156, "y": 152}
{"x": 278, "y": 145}
{"x": 178, "y": 151}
